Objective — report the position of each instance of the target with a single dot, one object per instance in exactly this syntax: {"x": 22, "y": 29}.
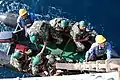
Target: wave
{"x": 43, "y": 12}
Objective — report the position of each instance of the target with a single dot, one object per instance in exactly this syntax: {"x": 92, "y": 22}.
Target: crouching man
{"x": 39, "y": 67}
{"x": 100, "y": 50}
{"x": 19, "y": 60}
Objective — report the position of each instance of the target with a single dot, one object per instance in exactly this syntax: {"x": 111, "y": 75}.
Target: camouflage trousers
{"x": 80, "y": 46}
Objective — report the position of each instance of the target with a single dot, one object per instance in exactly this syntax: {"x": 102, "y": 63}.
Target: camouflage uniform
{"x": 77, "y": 34}
{"x": 57, "y": 30}
{"x": 14, "y": 62}
{"x": 20, "y": 63}
{"x": 41, "y": 28}
{"x": 40, "y": 68}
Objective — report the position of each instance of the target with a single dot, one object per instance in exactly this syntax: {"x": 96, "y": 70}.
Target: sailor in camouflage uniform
{"x": 79, "y": 34}
{"x": 39, "y": 33}
{"x": 59, "y": 27}
{"x": 39, "y": 67}
{"x": 19, "y": 60}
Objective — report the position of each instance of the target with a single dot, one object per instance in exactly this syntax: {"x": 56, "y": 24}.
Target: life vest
{"x": 100, "y": 52}
{"x": 28, "y": 21}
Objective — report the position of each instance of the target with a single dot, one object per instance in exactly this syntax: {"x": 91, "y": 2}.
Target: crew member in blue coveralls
{"x": 25, "y": 20}
{"x": 100, "y": 50}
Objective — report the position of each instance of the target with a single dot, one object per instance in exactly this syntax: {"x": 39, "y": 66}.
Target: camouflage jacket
{"x": 41, "y": 28}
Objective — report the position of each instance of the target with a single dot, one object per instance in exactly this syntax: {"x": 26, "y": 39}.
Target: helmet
{"x": 100, "y": 39}
{"x": 17, "y": 55}
{"x": 33, "y": 37}
{"x": 83, "y": 23}
{"x": 36, "y": 60}
{"x": 22, "y": 12}
{"x": 64, "y": 23}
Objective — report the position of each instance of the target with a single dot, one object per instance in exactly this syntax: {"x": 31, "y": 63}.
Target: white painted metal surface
{"x": 93, "y": 76}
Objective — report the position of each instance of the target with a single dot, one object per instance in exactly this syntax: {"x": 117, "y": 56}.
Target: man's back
{"x": 40, "y": 27}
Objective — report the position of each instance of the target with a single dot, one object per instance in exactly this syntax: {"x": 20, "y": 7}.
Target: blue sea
{"x": 104, "y": 15}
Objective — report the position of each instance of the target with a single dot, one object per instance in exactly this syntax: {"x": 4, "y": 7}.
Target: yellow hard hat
{"x": 100, "y": 39}
{"x": 22, "y": 12}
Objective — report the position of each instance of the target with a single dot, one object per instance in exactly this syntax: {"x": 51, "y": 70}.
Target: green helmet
{"x": 64, "y": 23}
{"x": 33, "y": 37}
{"x": 36, "y": 60}
{"x": 83, "y": 23}
{"x": 16, "y": 55}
